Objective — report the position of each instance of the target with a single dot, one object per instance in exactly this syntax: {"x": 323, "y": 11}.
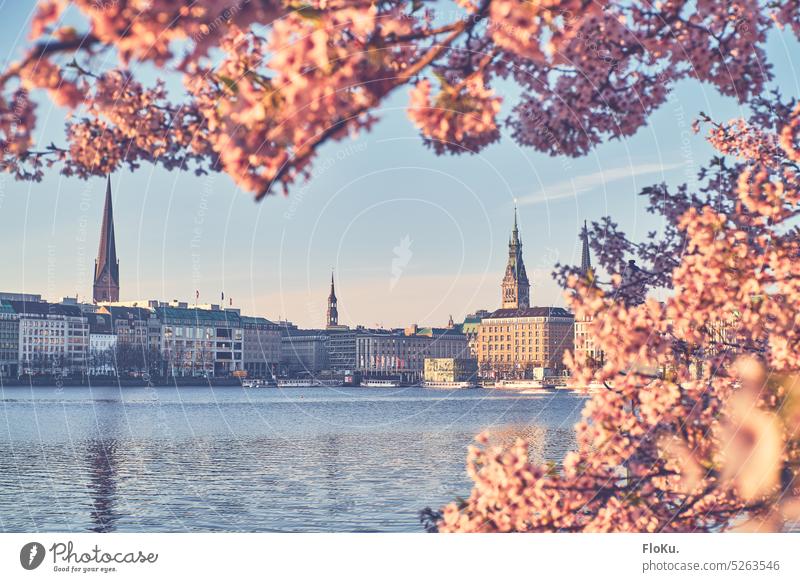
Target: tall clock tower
{"x": 516, "y": 289}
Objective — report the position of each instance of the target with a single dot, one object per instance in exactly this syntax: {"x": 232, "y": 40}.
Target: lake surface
{"x": 229, "y": 459}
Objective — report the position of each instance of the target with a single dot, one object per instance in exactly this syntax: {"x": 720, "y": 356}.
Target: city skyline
{"x": 106, "y": 288}
{"x": 410, "y": 240}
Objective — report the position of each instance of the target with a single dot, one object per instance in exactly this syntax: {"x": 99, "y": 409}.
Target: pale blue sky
{"x": 177, "y": 232}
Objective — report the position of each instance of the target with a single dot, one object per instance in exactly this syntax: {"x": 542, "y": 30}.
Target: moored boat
{"x": 331, "y": 383}
{"x": 523, "y": 385}
{"x": 447, "y": 385}
{"x": 299, "y": 383}
{"x": 255, "y": 383}
{"x": 380, "y": 383}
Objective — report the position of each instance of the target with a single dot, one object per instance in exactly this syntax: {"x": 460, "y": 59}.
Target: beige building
{"x": 512, "y": 342}
{"x": 450, "y": 370}
{"x": 516, "y": 339}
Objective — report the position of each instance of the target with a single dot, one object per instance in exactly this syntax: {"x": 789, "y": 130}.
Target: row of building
{"x": 175, "y": 339}
{"x": 110, "y": 337}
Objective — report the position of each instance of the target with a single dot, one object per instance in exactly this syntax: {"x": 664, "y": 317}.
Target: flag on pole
{"x": 223, "y": 296}
{"x": 197, "y": 294}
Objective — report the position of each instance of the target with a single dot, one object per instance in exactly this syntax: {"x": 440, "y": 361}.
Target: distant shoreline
{"x": 111, "y": 382}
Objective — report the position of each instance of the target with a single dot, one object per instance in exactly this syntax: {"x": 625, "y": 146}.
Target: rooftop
{"x": 191, "y": 316}
{"x": 530, "y": 312}
{"x": 42, "y": 308}
{"x": 100, "y": 323}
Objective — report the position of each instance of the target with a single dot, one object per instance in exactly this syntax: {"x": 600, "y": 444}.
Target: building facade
{"x": 512, "y": 342}
{"x": 304, "y": 352}
{"x": 450, "y": 370}
{"x": 471, "y": 327}
{"x": 261, "y": 349}
{"x": 400, "y": 354}
{"x": 53, "y": 338}
{"x": 200, "y": 341}
{"x": 9, "y": 340}
{"x": 341, "y": 347}
{"x": 102, "y": 345}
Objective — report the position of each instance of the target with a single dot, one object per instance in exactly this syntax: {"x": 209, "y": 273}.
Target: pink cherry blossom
{"x": 270, "y": 82}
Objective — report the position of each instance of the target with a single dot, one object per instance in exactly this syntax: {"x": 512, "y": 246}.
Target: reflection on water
{"x": 100, "y": 458}
{"x": 203, "y": 459}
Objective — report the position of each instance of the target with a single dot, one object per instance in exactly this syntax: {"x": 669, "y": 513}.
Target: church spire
{"x": 333, "y": 311}
{"x": 586, "y": 259}
{"x": 106, "y": 267}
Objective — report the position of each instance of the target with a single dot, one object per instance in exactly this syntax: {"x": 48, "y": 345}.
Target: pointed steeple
{"x": 515, "y": 240}
{"x": 333, "y": 311}
{"x": 106, "y": 268}
{"x": 586, "y": 259}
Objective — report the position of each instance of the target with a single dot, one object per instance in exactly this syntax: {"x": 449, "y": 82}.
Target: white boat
{"x": 299, "y": 383}
{"x": 257, "y": 383}
{"x": 522, "y": 385}
{"x": 379, "y": 383}
{"x": 331, "y": 383}
{"x": 447, "y": 385}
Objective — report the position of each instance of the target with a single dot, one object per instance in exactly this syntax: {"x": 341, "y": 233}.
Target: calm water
{"x": 227, "y": 459}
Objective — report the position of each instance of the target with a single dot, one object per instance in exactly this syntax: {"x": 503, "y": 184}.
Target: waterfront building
{"x": 517, "y": 339}
{"x": 512, "y": 342}
{"x": 199, "y": 342}
{"x": 261, "y": 350}
{"x": 515, "y": 286}
{"x": 341, "y": 348}
{"x": 584, "y": 345}
{"x": 304, "y": 352}
{"x": 53, "y": 338}
{"x": 106, "y": 267}
{"x": 102, "y": 344}
{"x": 133, "y": 326}
{"x": 9, "y": 340}
{"x": 400, "y": 354}
{"x": 471, "y": 327}
{"x": 450, "y": 370}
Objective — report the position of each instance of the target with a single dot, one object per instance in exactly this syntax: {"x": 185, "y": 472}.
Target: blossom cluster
{"x": 698, "y": 426}
{"x": 269, "y": 82}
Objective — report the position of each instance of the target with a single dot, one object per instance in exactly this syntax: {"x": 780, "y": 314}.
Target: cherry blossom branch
{"x": 47, "y": 48}
{"x": 307, "y": 149}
